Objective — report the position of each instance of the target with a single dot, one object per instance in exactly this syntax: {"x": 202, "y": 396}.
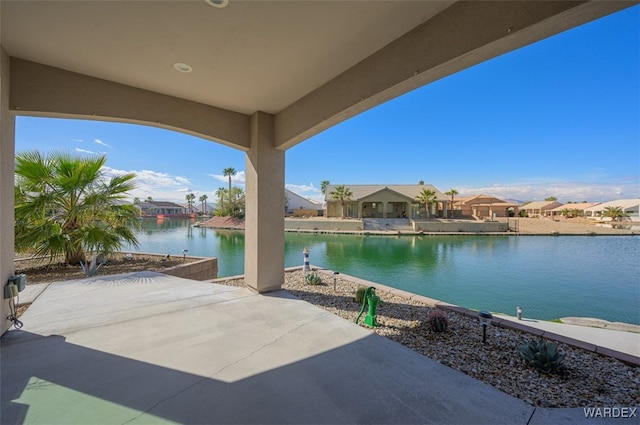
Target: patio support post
{"x": 264, "y": 220}
{"x": 7, "y": 154}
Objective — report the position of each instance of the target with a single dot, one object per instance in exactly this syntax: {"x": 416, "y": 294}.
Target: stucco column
{"x": 7, "y": 154}
{"x": 264, "y": 221}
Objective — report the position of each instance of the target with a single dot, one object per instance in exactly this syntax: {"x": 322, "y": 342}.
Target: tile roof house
{"x": 629, "y": 206}
{"x": 576, "y": 209}
{"x": 539, "y": 208}
{"x": 386, "y": 201}
{"x": 483, "y": 206}
{"x": 162, "y": 209}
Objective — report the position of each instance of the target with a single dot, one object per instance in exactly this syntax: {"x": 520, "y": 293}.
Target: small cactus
{"x": 360, "y": 294}
{"x": 437, "y": 321}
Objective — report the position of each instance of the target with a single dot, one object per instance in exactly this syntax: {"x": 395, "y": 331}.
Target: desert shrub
{"x": 312, "y": 278}
{"x": 437, "y": 321}
{"x": 543, "y": 355}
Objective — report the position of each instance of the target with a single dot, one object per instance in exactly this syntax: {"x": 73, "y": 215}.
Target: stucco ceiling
{"x": 248, "y": 56}
{"x": 309, "y": 64}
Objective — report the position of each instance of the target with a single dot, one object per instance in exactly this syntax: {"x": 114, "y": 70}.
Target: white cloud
{"x": 624, "y": 188}
{"x": 239, "y": 178}
{"x": 158, "y": 185}
{"x": 100, "y": 142}
{"x": 86, "y": 151}
{"x": 78, "y": 140}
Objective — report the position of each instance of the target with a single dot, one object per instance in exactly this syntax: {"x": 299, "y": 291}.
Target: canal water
{"x": 548, "y": 276}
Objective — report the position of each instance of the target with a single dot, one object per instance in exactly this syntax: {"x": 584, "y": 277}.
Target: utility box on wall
{"x": 20, "y": 280}
{"x": 14, "y": 285}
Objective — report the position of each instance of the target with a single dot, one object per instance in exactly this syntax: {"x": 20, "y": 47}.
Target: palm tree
{"x": 615, "y": 213}
{"x": 236, "y": 208}
{"x": 427, "y": 197}
{"x": 221, "y": 208}
{"x": 190, "y": 198}
{"x": 229, "y": 172}
{"x": 149, "y": 199}
{"x": 451, "y": 193}
{"x": 323, "y": 187}
{"x": 136, "y": 201}
{"x": 65, "y": 205}
{"x": 342, "y": 194}
{"x": 571, "y": 212}
{"x": 203, "y": 201}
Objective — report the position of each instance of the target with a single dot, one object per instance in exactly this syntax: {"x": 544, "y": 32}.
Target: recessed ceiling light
{"x": 182, "y": 67}
{"x": 217, "y": 3}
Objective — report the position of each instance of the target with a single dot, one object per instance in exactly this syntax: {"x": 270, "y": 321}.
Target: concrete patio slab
{"x": 151, "y": 348}
{"x": 31, "y": 292}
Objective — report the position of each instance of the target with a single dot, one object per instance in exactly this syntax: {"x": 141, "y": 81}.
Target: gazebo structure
{"x": 260, "y": 77}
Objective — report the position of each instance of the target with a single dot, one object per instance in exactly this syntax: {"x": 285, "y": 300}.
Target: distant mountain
{"x": 514, "y": 201}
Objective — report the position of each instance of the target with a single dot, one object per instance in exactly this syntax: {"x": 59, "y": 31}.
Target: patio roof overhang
{"x": 309, "y": 64}
{"x": 264, "y": 77}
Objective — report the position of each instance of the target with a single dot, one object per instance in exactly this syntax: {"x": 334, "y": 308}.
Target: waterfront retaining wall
{"x": 204, "y": 269}
{"x": 323, "y": 225}
{"x": 459, "y": 226}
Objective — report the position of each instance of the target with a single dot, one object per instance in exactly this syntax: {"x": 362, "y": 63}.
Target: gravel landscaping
{"x": 589, "y": 380}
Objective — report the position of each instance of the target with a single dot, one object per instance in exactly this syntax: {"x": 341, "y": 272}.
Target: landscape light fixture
{"x": 519, "y": 312}
{"x": 485, "y": 318}
{"x": 217, "y": 3}
{"x": 335, "y": 278}
{"x": 184, "y": 255}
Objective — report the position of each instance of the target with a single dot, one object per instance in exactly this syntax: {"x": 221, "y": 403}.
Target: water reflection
{"x": 550, "y": 276}
{"x": 230, "y": 239}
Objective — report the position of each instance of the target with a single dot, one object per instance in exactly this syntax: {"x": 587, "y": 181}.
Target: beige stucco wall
{"x": 47, "y": 91}
{"x": 205, "y": 269}
{"x": 7, "y": 154}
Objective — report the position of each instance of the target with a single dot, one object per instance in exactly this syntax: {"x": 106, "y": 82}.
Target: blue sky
{"x": 557, "y": 118}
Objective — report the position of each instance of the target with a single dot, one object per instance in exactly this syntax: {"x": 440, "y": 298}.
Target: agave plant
{"x": 312, "y": 279}
{"x": 543, "y": 355}
{"x": 91, "y": 268}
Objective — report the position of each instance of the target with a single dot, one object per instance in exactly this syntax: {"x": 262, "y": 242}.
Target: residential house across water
{"x": 540, "y": 208}
{"x": 386, "y": 201}
{"x": 162, "y": 209}
{"x": 299, "y": 206}
{"x": 629, "y": 206}
{"x": 483, "y": 207}
{"x": 571, "y": 210}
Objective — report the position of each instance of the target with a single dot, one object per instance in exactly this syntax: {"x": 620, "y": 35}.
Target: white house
{"x": 297, "y": 202}
{"x": 629, "y": 206}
